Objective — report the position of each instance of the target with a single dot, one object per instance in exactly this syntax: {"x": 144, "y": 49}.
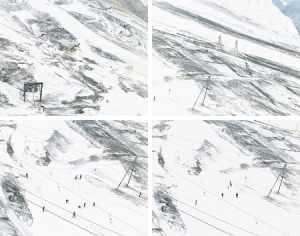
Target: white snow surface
{"x": 224, "y": 151}
{"x": 260, "y": 80}
{"x": 74, "y": 83}
{"x": 262, "y": 11}
{"x": 61, "y": 150}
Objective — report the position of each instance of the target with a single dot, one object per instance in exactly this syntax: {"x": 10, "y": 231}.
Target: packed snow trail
{"x": 261, "y": 79}
{"x": 233, "y": 164}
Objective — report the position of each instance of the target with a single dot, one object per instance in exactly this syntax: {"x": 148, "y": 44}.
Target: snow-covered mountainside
{"x": 201, "y": 160}
{"x": 260, "y": 78}
{"x": 38, "y": 42}
{"x": 53, "y": 153}
{"x": 262, "y": 11}
{"x": 290, "y": 8}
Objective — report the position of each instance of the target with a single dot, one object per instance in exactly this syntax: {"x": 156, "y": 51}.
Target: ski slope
{"x": 261, "y": 79}
{"x": 34, "y": 37}
{"x": 53, "y": 153}
{"x": 196, "y": 160}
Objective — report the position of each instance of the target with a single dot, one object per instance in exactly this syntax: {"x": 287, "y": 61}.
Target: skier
{"x": 84, "y": 204}
{"x": 75, "y": 177}
{"x": 43, "y": 208}
{"x": 169, "y": 91}
{"x": 67, "y": 200}
{"x": 107, "y": 101}
{"x": 94, "y": 204}
{"x": 26, "y": 175}
{"x": 95, "y": 169}
{"x": 236, "y": 195}
{"x": 245, "y": 178}
{"x": 80, "y": 176}
{"x": 204, "y": 194}
{"x": 79, "y": 207}
{"x": 110, "y": 219}
{"x": 140, "y": 194}
{"x": 196, "y": 202}
{"x": 74, "y": 214}
{"x": 154, "y": 98}
{"x": 230, "y": 183}
{"x": 222, "y": 194}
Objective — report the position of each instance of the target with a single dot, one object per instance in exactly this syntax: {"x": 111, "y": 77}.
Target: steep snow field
{"x": 196, "y": 160}
{"x": 53, "y": 153}
{"x": 261, "y": 79}
{"x": 34, "y": 37}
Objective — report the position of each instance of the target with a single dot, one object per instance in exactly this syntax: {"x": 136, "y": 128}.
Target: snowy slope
{"x": 263, "y": 11}
{"x": 261, "y": 79}
{"x": 53, "y": 153}
{"x": 33, "y": 40}
{"x": 196, "y": 160}
{"x": 291, "y": 9}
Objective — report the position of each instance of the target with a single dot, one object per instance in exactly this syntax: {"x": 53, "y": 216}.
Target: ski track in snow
{"x": 74, "y": 84}
{"x": 213, "y": 153}
{"x": 61, "y": 150}
{"x": 262, "y": 79}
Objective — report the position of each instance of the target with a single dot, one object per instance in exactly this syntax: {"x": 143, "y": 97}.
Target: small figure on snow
{"x": 74, "y": 214}
{"x": 26, "y": 175}
{"x": 196, "y": 202}
{"x": 222, "y": 194}
{"x": 94, "y": 204}
{"x": 67, "y": 200}
{"x": 110, "y": 219}
{"x": 154, "y": 98}
{"x": 107, "y": 101}
{"x": 84, "y": 204}
{"x": 80, "y": 176}
{"x": 140, "y": 194}
{"x": 245, "y": 178}
{"x": 236, "y": 195}
{"x": 43, "y": 208}
{"x": 169, "y": 91}
{"x": 79, "y": 207}
{"x": 230, "y": 183}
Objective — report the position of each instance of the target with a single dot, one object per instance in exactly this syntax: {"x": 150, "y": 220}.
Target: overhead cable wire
{"x": 224, "y": 200}
{"x": 79, "y": 195}
{"x": 201, "y": 220}
{"x": 62, "y": 218}
{"x": 72, "y": 212}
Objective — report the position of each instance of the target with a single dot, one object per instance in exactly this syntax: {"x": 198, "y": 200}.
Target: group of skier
{"x": 76, "y": 177}
{"x": 222, "y": 194}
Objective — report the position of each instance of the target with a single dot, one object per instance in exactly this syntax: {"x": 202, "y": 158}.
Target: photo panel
{"x": 73, "y": 177}
{"x": 217, "y": 177}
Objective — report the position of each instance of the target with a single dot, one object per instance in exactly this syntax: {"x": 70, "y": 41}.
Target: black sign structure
{"x": 33, "y": 88}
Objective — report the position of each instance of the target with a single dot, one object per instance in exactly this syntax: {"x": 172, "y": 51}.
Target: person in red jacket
{"x": 222, "y": 194}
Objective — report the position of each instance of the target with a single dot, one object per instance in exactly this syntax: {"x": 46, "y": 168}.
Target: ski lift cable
{"x": 201, "y": 220}
{"x": 72, "y": 212}
{"x": 227, "y": 159}
{"x": 212, "y": 216}
{"x": 61, "y": 218}
{"x": 69, "y": 138}
{"x": 218, "y": 156}
{"x": 224, "y": 200}
{"x": 220, "y": 147}
{"x": 78, "y": 195}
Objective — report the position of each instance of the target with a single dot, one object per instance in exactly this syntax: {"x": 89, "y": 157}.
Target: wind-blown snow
{"x": 213, "y": 153}
{"x": 100, "y": 151}
{"x": 92, "y": 81}
{"x": 262, "y": 78}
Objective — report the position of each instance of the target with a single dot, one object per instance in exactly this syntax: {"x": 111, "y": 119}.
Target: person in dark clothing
{"x": 236, "y": 195}
{"x": 84, "y": 204}
{"x": 94, "y": 204}
{"x": 80, "y": 176}
{"x": 74, "y": 214}
{"x": 26, "y": 175}
{"x": 43, "y": 208}
{"x": 222, "y": 194}
{"x": 67, "y": 200}
{"x": 140, "y": 194}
